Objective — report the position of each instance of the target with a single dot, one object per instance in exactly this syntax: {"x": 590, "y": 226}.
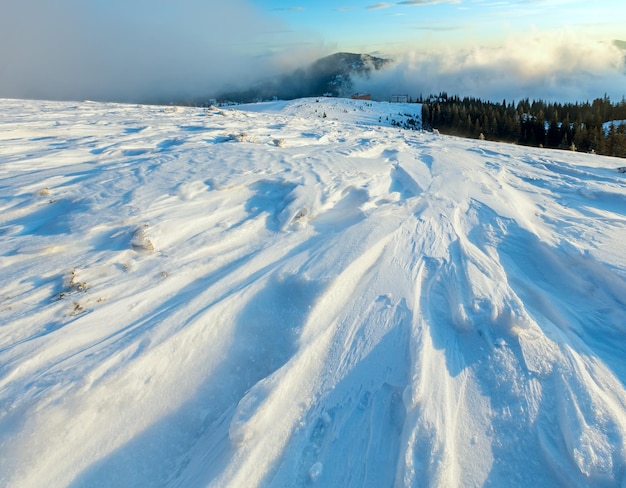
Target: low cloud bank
{"x": 140, "y": 50}
{"x": 555, "y": 69}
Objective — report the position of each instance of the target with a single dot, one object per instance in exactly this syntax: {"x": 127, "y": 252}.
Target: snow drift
{"x": 299, "y": 294}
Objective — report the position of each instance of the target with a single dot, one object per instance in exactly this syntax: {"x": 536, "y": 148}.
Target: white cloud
{"x": 555, "y": 68}
{"x": 378, "y": 6}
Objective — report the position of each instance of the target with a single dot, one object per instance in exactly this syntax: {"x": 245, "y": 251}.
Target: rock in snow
{"x": 357, "y": 305}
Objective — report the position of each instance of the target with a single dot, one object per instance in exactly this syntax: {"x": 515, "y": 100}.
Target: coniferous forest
{"x": 599, "y": 126}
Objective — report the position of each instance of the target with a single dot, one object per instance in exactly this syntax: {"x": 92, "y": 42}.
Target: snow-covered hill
{"x": 270, "y": 297}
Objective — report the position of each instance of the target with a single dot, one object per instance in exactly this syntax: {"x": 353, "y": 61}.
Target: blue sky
{"x": 395, "y": 26}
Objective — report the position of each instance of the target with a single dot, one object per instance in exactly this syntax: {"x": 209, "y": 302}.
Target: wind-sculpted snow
{"x": 299, "y": 294}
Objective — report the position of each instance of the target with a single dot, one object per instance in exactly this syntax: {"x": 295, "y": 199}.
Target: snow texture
{"x": 299, "y": 293}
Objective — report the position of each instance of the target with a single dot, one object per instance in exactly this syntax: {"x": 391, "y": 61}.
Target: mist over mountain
{"x": 134, "y": 53}
{"x": 560, "y": 68}
{"x": 621, "y": 45}
{"x": 332, "y": 74}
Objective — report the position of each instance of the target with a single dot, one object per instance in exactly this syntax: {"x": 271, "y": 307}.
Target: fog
{"x": 132, "y": 50}
{"x": 559, "y": 68}
{"x": 159, "y": 51}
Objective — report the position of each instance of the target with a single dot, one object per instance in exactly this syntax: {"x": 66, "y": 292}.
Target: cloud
{"x": 291, "y": 9}
{"x": 551, "y": 68}
{"x": 378, "y": 6}
{"x": 426, "y": 2}
{"x": 140, "y": 50}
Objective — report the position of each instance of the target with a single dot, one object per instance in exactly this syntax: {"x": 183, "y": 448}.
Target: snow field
{"x": 264, "y": 296}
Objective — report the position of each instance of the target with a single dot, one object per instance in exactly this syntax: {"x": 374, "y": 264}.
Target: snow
{"x": 264, "y": 296}
{"x": 606, "y": 127}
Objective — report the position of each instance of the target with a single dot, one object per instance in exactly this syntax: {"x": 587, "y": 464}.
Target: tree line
{"x": 583, "y": 127}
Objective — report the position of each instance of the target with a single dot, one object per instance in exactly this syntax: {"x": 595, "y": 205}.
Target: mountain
{"x": 620, "y": 44}
{"x": 335, "y": 72}
{"x": 302, "y": 294}
{"x": 329, "y": 75}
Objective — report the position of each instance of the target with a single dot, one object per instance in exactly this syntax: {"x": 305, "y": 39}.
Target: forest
{"x": 595, "y": 127}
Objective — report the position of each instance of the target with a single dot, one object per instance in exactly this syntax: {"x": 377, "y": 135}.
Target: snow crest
{"x": 186, "y": 301}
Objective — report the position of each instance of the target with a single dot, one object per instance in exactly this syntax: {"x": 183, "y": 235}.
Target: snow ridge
{"x": 300, "y": 293}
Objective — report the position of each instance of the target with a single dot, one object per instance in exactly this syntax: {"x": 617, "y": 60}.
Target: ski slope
{"x": 299, "y": 294}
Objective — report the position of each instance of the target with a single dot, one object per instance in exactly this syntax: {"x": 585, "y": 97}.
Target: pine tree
{"x": 554, "y": 134}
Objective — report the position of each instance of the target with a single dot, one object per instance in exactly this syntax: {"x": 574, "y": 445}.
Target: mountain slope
{"x": 329, "y": 75}
{"x": 273, "y": 297}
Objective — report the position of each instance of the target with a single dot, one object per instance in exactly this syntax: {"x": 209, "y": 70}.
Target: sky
{"x": 392, "y": 27}
{"x": 159, "y": 50}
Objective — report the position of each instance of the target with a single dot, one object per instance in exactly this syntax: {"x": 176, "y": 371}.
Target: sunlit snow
{"x": 299, "y": 294}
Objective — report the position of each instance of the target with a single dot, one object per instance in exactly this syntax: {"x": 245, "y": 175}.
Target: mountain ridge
{"x": 330, "y": 75}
